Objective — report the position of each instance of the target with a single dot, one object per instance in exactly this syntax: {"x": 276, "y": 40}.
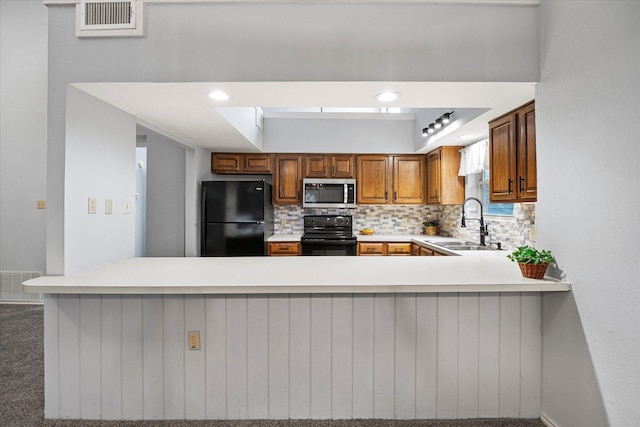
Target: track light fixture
{"x": 440, "y": 123}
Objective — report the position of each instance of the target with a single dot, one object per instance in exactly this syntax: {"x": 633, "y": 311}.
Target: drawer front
{"x": 371, "y": 249}
{"x": 398, "y": 248}
{"x": 284, "y": 248}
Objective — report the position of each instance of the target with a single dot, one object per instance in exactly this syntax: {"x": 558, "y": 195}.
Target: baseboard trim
{"x": 547, "y": 421}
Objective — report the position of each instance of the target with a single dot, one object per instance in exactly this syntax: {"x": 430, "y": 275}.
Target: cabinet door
{"x": 315, "y": 166}
{"x": 287, "y": 179}
{"x": 373, "y": 179}
{"x": 409, "y": 180}
{"x": 502, "y": 159}
{"x": 433, "y": 177}
{"x": 527, "y": 170}
{"x": 256, "y": 163}
{"x": 426, "y": 251}
{"x": 343, "y": 166}
{"x": 225, "y": 163}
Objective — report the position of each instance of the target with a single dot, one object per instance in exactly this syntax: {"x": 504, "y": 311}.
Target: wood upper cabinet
{"x": 391, "y": 179}
{"x": 287, "y": 179}
{"x": 444, "y": 186}
{"x": 373, "y": 180}
{"x": 247, "y": 163}
{"x": 329, "y": 166}
{"x": 409, "y": 179}
{"x": 512, "y": 156}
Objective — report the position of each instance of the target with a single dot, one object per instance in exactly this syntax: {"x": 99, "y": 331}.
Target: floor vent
{"x": 97, "y": 18}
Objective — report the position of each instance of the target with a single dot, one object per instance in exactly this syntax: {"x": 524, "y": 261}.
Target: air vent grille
{"x": 96, "y": 18}
{"x": 108, "y": 13}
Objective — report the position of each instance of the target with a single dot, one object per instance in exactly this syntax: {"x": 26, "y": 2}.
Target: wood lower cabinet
{"x": 330, "y": 166}
{"x": 386, "y": 179}
{"x": 398, "y": 249}
{"x": 444, "y": 186}
{"x": 384, "y": 248}
{"x": 287, "y": 179}
{"x": 424, "y": 251}
{"x": 284, "y": 248}
{"x": 371, "y": 248}
{"x": 241, "y": 163}
{"x": 512, "y": 156}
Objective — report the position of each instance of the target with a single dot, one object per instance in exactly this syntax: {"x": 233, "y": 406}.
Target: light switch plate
{"x": 108, "y": 206}
{"x": 126, "y": 207}
{"x": 92, "y": 205}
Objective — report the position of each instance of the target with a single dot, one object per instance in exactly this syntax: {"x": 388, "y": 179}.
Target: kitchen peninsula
{"x": 294, "y": 337}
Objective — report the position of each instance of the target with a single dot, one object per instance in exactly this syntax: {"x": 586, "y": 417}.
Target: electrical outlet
{"x": 126, "y": 207}
{"x": 41, "y": 204}
{"x": 404, "y": 222}
{"x": 92, "y": 205}
{"x": 193, "y": 339}
{"x": 283, "y": 221}
{"x": 108, "y": 206}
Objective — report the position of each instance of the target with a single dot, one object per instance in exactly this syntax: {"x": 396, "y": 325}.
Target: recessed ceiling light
{"x": 218, "y": 95}
{"x": 387, "y": 96}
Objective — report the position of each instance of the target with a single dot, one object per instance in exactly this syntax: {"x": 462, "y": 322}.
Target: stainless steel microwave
{"x": 329, "y": 193}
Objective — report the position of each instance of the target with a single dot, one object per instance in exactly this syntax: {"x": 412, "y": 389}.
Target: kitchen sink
{"x": 469, "y": 248}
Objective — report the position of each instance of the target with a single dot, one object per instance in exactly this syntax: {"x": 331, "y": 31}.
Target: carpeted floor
{"x": 22, "y": 388}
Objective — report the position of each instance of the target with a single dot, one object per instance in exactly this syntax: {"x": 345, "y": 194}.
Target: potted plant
{"x": 431, "y": 227}
{"x": 533, "y": 262}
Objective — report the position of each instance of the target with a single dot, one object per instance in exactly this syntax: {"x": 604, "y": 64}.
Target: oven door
{"x": 328, "y": 247}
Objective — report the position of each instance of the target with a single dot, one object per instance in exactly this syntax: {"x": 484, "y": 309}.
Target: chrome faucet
{"x": 483, "y": 228}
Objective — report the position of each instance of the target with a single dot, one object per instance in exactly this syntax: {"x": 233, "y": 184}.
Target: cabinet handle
{"x": 395, "y": 195}
{"x": 385, "y": 195}
{"x": 333, "y": 170}
{"x": 521, "y": 184}
{"x": 371, "y": 249}
{"x": 509, "y": 188}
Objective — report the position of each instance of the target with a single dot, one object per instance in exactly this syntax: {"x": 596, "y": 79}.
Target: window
{"x": 499, "y": 209}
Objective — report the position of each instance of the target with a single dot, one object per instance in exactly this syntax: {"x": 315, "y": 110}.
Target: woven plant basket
{"x": 431, "y": 230}
{"x": 533, "y": 271}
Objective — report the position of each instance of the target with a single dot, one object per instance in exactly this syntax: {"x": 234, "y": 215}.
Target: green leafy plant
{"x": 530, "y": 255}
{"x": 433, "y": 223}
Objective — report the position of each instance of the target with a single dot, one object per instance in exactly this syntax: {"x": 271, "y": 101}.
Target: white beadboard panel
{"x": 215, "y": 347}
{"x": 111, "y": 358}
{"x": 152, "y": 357}
{"x": 132, "y": 388}
{"x": 363, "y": 327}
{"x": 90, "y": 356}
{"x": 300, "y": 356}
{"x": 175, "y": 344}
{"x": 489, "y": 355}
{"x": 405, "y": 357}
{"x": 258, "y": 356}
{"x": 68, "y": 350}
{"x": 342, "y": 357}
{"x": 278, "y": 356}
{"x": 195, "y": 361}
{"x": 468, "y": 356}
{"x": 447, "y": 376}
{"x": 321, "y": 356}
{"x": 426, "y": 355}
{"x": 384, "y": 356}
{"x": 530, "y": 355}
{"x": 392, "y": 356}
{"x": 51, "y": 359}
{"x": 509, "y": 354}
{"x": 237, "y": 357}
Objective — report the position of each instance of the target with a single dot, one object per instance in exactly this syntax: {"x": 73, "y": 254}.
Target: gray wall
{"x": 588, "y": 208}
{"x": 23, "y": 134}
{"x": 166, "y": 172}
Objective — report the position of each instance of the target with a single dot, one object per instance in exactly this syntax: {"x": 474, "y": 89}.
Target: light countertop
{"x": 268, "y": 275}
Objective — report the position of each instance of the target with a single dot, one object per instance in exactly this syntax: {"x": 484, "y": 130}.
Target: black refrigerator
{"x": 237, "y": 218}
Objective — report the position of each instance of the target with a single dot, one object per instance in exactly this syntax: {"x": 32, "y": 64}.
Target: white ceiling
{"x": 184, "y": 111}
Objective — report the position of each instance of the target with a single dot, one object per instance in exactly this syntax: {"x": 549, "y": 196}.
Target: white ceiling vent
{"x": 98, "y": 18}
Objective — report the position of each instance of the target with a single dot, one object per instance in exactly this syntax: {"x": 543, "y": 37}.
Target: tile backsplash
{"x": 511, "y": 232}
{"x": 11, "y": 286}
